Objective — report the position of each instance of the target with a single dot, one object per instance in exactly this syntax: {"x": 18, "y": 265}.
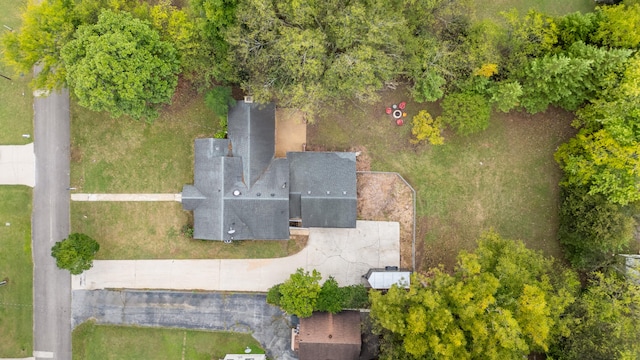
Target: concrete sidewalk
{"x": 126, "y": 197}
{"x": 17, "y": 165}
{"x": 345, "y": 254}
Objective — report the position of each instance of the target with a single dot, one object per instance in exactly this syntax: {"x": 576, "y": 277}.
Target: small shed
{"x": 383, "y": 279}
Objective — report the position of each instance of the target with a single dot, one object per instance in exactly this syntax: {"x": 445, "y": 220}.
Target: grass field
{"x": 16, "y": 299}
{"x": 131, "y": 230}
{"x": 490, "y": 9}
{"x": 127, "y": 156}
{"x": 16, "y": 111}
{"x": 504, "y": 178}
{"x": 98, "y": 342}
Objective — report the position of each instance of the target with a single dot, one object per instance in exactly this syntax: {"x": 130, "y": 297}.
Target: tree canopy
{"x": 46, "y": 27}
{"x": 502, "y": 302}
{"x": 300, "y": 292}
{"x": 75, "y": 253}
{"x": 120, "y": 65}
{"x": 607, "y": 321}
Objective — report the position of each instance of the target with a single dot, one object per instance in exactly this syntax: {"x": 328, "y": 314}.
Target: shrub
{"x": 426, "y": 128}
{"x": 466, "y": 113}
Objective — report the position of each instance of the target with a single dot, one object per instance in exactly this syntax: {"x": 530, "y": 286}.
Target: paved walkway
{"x": 126, "y": 197}
{"x": 345, "y": 254}
{"x": 245, "y": 313}
{"x": 17, "y": 165}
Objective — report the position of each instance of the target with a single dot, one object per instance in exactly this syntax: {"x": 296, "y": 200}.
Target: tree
{"x": 424, "y": 127}
{"x": 330, "y": 297}
{"x": 607, "y": 321}
{"x": 120, "y": 65}
{"x": 603, "y": 164}
{"x": 619, "y": 26}
{"x": 75, "y": 253}
{"x": 46, "y": 27}
{"x": 466, "y": 113}
{"x": 593, "y": 230}
{"x": 300, "y": 292}
{"x": 505, "y": 95}
{"x": 502, "y": 302}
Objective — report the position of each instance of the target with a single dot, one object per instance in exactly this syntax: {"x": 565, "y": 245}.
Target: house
{"x": 326, "y": 336}
{"x": 241, "y": 191}
{"x": 383, "y": 279}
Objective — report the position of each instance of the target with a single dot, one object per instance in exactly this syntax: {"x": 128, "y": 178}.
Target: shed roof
{"x": 384, "y": 279}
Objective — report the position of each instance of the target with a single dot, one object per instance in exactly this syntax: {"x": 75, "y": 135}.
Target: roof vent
{"x": 344, "y": 193}
{"x": 284, "y": 186}
{"x": 309, "y": 192}
{"x": 231, "y": 231}
{"x": 258, "y": 194}
{"x": 248, "y": 99}
{"x": 273, "y": 194}
{"x": 328, "y": 192}
{"x": 236, "y": 192}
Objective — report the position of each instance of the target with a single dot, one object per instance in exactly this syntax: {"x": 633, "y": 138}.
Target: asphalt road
{"x": 247, "y": 313}
{"x": 50, "y": 223}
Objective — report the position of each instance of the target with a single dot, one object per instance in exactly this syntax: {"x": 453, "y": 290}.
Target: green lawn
{"x": 504, "y": 178}
{"x": 16, "y": 111}
{"x": 144, "y": 230}
{"x": 16, "y": 299}
{"x": 490, "y": 9}
{"x": 97, "y": 342}
{"x": 127, "y": 156}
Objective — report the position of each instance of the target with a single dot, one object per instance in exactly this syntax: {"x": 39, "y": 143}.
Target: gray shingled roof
{"x": 251, "y": 130}
{"x": 208, "y": 181}
{"x": 326, "y": 185}
{"x": 247, "y": 194}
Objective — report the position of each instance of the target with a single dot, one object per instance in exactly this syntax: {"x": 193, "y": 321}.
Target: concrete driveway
{"x": 17, "y": 165}
{"x": 246, "y": 313}
{"x": 345, "y": 254}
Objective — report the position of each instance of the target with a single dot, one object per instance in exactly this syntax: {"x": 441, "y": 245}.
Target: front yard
{"x": 96, "y": 342}
{"x": 16, "y": 268}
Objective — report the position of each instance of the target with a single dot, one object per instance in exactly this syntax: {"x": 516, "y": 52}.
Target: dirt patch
{"x": 385, "y": 197}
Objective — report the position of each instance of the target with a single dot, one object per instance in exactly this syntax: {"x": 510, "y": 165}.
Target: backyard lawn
{"x": 16, "y": 111}
{"x": 97, "y": 342}
{"x": 504, "y": 178}
{"x": 16, "y": 300}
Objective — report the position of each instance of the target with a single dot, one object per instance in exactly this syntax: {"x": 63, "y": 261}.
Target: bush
{"x": 592, "y": 229}
{"x": 466, "y": 113}
{"x": 426, "y": 128}
{"x": 274, "y": 295}
{"x": 355, "y": 297}
{"x": 506, "y": 95}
